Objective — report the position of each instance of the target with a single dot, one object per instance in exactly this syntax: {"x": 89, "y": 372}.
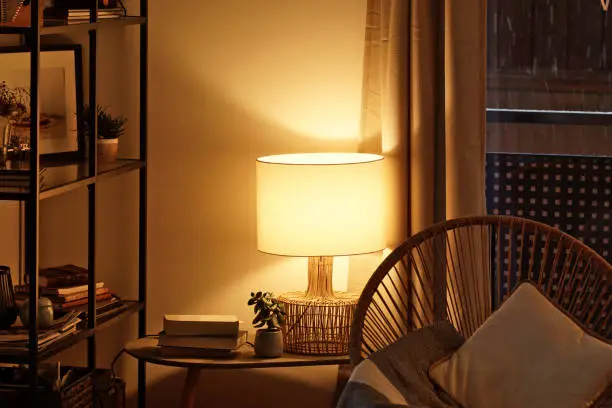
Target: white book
{"x": 204, "y": 342}
{"x": 201, "y": 325}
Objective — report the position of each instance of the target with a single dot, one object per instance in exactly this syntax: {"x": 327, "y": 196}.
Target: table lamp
{"x": 319, "y": 205}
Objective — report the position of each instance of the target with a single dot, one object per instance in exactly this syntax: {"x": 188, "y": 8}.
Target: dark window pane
{"x": 549, "y": 55}
{"x": 549, "y": 139}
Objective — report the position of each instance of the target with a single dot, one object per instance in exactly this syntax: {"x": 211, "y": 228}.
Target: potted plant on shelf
{"x": 110, "y": 128}
{"x": 14, "y": 115}
{"x": 268, "y": 312}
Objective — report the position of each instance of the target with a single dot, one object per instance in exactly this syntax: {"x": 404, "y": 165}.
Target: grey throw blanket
{"x": 397, "y": 376}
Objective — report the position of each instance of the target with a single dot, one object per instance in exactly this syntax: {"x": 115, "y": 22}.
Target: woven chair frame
{"x": 462, "y": 270}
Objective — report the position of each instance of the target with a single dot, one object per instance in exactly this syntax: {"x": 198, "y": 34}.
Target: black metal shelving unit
{"x": 87, "y": 176}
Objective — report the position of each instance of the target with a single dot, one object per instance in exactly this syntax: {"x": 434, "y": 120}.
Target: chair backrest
{"x": 461, "y": 270}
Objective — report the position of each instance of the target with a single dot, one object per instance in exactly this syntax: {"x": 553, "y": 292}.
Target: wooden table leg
{"x": 344, "y": 373}
{"x": 191, "y": 381}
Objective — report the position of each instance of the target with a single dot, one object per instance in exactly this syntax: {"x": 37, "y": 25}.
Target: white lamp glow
{"x": 319, "y": 205}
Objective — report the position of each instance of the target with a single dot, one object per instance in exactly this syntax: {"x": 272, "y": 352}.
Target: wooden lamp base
{"x": 318, "y": 321}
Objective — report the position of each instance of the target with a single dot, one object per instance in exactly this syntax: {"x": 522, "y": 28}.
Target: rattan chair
{"x": 461, "y": 270}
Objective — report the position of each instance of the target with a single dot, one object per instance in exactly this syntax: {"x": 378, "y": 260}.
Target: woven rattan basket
{"x": 317, "y": 326}
{"x": 77, "y": 394}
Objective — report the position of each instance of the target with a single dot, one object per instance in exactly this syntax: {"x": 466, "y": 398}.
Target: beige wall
{"x": 229, "y": 81}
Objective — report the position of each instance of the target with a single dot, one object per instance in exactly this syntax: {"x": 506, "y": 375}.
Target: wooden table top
{"x": 146, "y": 349}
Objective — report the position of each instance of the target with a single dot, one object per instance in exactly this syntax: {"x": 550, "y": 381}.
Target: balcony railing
{"x": 572, "y": 193}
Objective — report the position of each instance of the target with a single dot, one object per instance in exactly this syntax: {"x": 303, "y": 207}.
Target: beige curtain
{"x": 424, "y": 109}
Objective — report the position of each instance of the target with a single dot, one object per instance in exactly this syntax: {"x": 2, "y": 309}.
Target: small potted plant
{"x": 109, "y": 130}
{"x": 14, "y": 123}
{"x": 268, "y": 312}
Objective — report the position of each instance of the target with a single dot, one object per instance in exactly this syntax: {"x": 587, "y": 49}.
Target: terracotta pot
{"x": 107, "y": 150}
{"x": 268, "y": 344}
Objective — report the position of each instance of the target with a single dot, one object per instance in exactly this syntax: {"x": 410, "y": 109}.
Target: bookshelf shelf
{"x": 61, "y": 178}
{"x": 63, "y": 28}
{"x": 128, "y": 308}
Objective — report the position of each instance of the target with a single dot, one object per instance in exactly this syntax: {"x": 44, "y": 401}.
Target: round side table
{"x": 146, "y": 349}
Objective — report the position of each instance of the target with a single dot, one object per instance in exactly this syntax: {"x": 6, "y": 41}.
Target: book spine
{"x": 69, "y": 290}
{"x": 183, "y": 328}
{"x": 205, "y": 342}
{"x": 76, "y": 296}
{"x": 69, "y": 305}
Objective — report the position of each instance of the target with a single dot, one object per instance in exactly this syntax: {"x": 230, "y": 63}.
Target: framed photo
{"x": 60, "y": 92}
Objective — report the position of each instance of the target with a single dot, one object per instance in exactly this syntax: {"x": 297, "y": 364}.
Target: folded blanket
{"x": 396, "y": 375}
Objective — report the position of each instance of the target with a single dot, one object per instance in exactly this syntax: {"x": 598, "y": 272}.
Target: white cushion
{"x": 528, "y": 354}
{"x": 369, "y": 374}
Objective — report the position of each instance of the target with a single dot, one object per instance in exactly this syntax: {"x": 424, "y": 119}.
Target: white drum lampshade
{"x": 319, "y": 205}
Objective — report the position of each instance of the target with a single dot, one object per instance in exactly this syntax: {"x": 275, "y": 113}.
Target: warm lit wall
{"x": 229, "y": 81}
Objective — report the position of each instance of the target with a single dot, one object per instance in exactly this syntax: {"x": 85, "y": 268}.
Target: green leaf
{"x": 257, "y": 318}
{"x": 251, "y": 302}
{"x": 258, "y": 325}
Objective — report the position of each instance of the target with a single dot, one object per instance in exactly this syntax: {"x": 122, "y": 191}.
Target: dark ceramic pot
{"x": 8, "y": 307}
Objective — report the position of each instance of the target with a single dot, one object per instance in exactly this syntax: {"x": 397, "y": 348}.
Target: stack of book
{"x": 19, "y": 179}
{"x": 201, "y": 335}
{"x": 15, "y": 340}
{"x": 66, "y": 286}
{"x": 80, "y": 16}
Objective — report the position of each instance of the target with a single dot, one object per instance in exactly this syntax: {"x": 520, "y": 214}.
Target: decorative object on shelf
{"x": 58, "y": 387}
{"x": 319, "y": 205}
{"x": 268, "y": 312}
{"x": 82, "y": 4}
{"x": 14, "y": 145}
{"x": 78, "y": 12}
{"x": 110, "y": 129}
{"x": 9, "y": 9}
{"x": 60, "y": 93}
{"x": 45, "y": 312}
{"x": 17, "y": 13}
{"x": 8, "y": 307}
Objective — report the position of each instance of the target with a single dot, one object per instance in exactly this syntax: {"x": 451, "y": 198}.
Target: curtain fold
{"x": 402, "y": 92}
{"x": 424, "y": 109}
{"x": 384, "y": 121}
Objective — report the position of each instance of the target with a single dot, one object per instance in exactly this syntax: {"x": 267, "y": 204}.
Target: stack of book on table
{"x": 66, "y": 287}
{"x": 201, "y": 335}
{"x": 15, "y": 340}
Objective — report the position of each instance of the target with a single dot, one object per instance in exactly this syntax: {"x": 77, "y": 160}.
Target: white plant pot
{"x": 268, "y": 344}
{"x": 107, "y": 150}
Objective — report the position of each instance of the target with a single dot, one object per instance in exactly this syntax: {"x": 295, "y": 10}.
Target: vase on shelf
{"x": 8, "y": 307}
{"x": 107, "y": 150}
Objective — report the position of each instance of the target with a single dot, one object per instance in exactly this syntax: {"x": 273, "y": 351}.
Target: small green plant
{"x": 268, "y": 311}
{"x": 109, "y": 127}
